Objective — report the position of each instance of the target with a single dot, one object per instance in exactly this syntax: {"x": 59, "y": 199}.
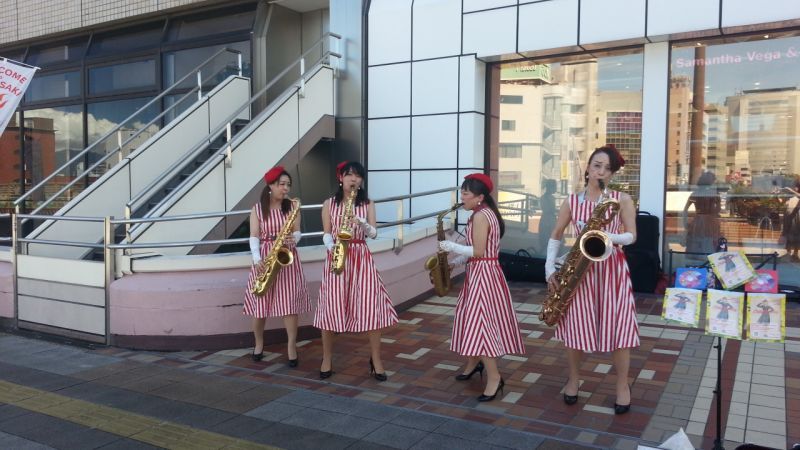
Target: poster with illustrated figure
{"x": 766, "y": 317}
{"x": 691, "y": 278}
{"x": 765, "y": 281}
{"x": 731, "y": 268}
{"x": 724, "y": 313}
{"x": 682, "y": 305}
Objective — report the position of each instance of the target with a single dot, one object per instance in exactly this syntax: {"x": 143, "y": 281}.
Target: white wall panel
{"x": 470, "y": 140}
{"x": 389, "y": 143}
{"x": 746, "y": 12}
{"x": 437, "y": 28}
{"x": 429, "y": 180}
{"x": 472, "y": 84}
{"x": 490, "y": 33}
{"x": 477, "y": 5}
{"x": 88, "y": 319}
{"x": 669, "y": 16}
{"x": 389, "y": 90}
{"x": 86, "y": 273}
{"x": 655, "y": 103}
{"x": 548, "y": 25}
{"x": 435, "y": 86}
{"x": 388, "y": 184}
{"x": 433, "y": 141}
{"x": 389, "y": 31}
{"x": 604, "y": 22}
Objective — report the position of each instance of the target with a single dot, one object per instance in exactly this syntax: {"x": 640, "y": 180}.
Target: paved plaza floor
{"x": 55, "y": 395}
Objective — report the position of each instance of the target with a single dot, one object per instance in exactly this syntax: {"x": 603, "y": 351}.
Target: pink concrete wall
{"x": 209, "y": 302}
{"x": 6, "y": 289}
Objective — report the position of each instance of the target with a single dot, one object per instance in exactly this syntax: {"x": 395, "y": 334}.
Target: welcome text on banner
{"x": 14, "y": 80}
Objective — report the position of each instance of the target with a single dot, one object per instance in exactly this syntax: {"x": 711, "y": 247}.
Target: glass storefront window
{"x": 58, "y": 54}
{"x": 733, "y": 148}
{"x": 54, "y": 87}
{"x": 130, "y": 40}
{"x": 177, "y": 64}
{"x": 122, "y": 77}
{"x": 52, "y": 136}
{"x": 194, "y": 27}
{"x": 10, "y": 169}
{"x": 552, "y": 115}
{"x": 103, "y": 116}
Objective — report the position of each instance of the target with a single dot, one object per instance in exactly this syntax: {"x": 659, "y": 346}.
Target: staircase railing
{"x": 225, "y": 151}
{"x": 117, "y": 132}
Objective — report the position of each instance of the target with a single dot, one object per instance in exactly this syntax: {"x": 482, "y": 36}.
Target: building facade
{"x": 431, "y": 90}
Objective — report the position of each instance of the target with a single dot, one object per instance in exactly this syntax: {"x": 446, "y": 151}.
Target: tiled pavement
{"x": 237, "y": 402}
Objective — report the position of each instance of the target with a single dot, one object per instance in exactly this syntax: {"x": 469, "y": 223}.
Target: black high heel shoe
{"x": 257, "y": 356}
{"x": 466, "y": 376}
{"x": 325, "y": 374}
{"x": 376, "y": 375}
{"x": 570, "y": 399}
{"x": 488, "y": 398}
{"x": 293, "y": 362}
{"x": 622, "y": 409}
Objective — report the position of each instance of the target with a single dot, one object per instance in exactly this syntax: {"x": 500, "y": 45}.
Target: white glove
{"x": 327, "y": 239}
{"x": 459, "y": 260}
{"x": 452, "y": 247}
{"x": 621, "y": 239}
{"x": 255, "y": 249}
{"x": 297, "y": 236}
{"x": 550, "y": 263}
{"x": 369, "y": 230}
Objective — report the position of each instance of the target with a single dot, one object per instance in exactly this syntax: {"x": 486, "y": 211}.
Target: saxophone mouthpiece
{"x": 602, "y": 185}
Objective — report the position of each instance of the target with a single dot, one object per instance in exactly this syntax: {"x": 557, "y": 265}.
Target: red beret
{"x": 340, "y": 166}
{"x": 483, "y": 178}
{"x": 273, "y": 174}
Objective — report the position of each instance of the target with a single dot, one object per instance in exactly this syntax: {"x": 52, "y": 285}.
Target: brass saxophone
{"x": 437, "y": 264}
{"x": 591, "y": 245}
{"x": 344, "y": 235}
{"x": 278, "y": 256}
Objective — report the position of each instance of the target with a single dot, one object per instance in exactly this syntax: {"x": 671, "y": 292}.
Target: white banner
{"x": 14, "y": 79}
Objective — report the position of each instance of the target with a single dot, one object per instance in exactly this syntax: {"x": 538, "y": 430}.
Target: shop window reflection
{"x": 734, "y": 105}
{"x": 553, "y": 113}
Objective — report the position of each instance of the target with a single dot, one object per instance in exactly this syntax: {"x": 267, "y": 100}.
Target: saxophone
{"x": 344, "y": 235}
{"x": 437, "y": 265}
{"x": 277, "y": 257}
{"x": 591, "y": 245}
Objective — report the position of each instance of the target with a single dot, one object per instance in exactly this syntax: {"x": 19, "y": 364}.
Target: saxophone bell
{"x": 596, "y": 245}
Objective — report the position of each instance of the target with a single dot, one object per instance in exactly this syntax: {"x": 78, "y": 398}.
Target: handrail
{"x": 114, "y": 130}
{"x": 133, "y": 204}
{"x": 209, "y": 215}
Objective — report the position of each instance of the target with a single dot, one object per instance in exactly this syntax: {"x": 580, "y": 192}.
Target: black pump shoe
{"x": 621, "y": 409}
{"x": 570, "y": 399}
{"x": 257, "y": 356}
{"x": 466, "y": 376}
{"x": 376, "y": 375}
{"x": 325, "y": 374}
{"x": 488, "y": 398}
{"x": 293, "y": 362}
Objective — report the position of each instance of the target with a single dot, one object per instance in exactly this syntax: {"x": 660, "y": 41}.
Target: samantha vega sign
{"x": 14, "y": 79}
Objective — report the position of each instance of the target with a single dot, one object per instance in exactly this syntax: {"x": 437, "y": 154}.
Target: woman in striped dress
{"x": 485, "y": 325}
{"x": 602, "y": 317}
{"x": 355, "y": 300}
{"x": 288, "y": 296}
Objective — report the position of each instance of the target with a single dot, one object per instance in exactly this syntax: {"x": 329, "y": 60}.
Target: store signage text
{"x": 754, "y": 56}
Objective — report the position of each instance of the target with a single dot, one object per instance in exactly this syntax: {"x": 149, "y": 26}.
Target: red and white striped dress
{"x": 289, "y": 294}
{"x": 602, "y": 317}
{"x": 355, "y": 300}
{"x": 485, "y": 323}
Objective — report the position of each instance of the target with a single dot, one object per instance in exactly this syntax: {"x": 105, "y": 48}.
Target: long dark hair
{"x": 286, "y": 204}
{"x": 615, "y": 160}
{"x": 361, "y": 195}
{"x": 478, "y": 188}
